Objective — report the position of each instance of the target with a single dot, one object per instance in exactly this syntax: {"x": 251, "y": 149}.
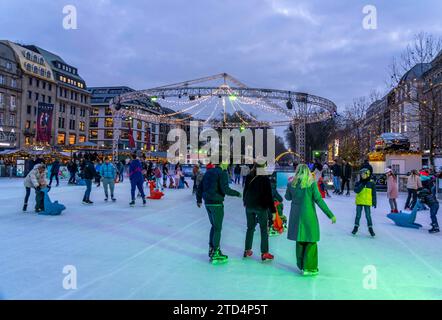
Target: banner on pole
{"x": 44, "y": 121}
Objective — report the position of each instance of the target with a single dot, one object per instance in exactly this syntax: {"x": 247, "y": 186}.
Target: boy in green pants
{"x": 365, "y": 190}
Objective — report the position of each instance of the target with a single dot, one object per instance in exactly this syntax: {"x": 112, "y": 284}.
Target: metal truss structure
{"x": 298, "y": 109}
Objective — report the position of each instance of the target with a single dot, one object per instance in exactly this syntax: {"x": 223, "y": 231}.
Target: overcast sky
{"x": 313, "y": 46}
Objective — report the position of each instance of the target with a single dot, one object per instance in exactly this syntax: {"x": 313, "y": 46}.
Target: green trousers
{"x": 255, "y": 216}
{"x": 307, "y": 255}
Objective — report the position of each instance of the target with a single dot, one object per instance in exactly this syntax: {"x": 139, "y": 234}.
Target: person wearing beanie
{"x": 365, "y": 190}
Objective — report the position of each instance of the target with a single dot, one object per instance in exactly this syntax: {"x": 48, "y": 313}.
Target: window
{"x": 139, "y": 126}
{"x": 61, "y": 138}
{"x": 72, "y": 138}
{"x": 41, "y": 61}
{"x": 30, "y": 81}
{"x": 72, "y": 95}
{"x": 60, "y": 123}
{"x": 28, "y": 55}
{"x": 2, "y": 79}
{"x": 35, "y": 58}
{"x": 72, "y": 124}
{"x": 82, "y": 126}
{"x": 48, "y": 74}
{"x": 27, "y": 141}
{"x": 28, "y": 109}
{"x": 81, "y": 139}
{"x": 94, "y": 112}
{"x": 93, "y": 134}
{"x": 109, "y": 134}
{"x": 60, "y": 92}
{"x": 8, "y": 65}
{"x": 13, "y": 102}
{"x": 37, "y": 82}
{"x": 36, "y": 96}
{"x": 29, "y": 94}
{"x": 94, "y": 122}
{"x": 73, "y": 110}
{"x": 12, "y": 120}
{"x": 82, "y": 112}
{"x": 109, "y": 122}
{"x": 2, "y": 98}
{"x": 13, "y": 83}
{"x": 43, "y": 98}
{"x": 28, "y": 125}
{"x": 108, "y": 111}
{"x": 42, "y": 72}
{"x": 49, "y": 87}
{"x": 35, "y": 69}
{"x": 49, "y": 99}
{"x": 43, "y": 84}
{"x": 2, "y": 118}
{"x": 28, "y": 67}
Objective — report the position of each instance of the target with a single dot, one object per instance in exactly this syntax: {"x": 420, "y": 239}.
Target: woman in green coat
{"x": 303, "y": 222}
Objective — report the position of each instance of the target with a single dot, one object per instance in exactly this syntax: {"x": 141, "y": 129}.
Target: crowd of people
{"x": 262, "y": 202}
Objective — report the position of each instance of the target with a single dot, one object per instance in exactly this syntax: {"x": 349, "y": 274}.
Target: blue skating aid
{"x": 405, "y": 220}
{"x": 51, "y": 208}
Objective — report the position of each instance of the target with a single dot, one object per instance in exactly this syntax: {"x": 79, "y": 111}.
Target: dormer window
{"x": 35, "y": 58}
{"x": 48, "y": 74}
{"x": 42, "y": 72}
{"x": 42, "y": 61}
{"x": 28, "y": 56}
{"x": 35, "y": 69}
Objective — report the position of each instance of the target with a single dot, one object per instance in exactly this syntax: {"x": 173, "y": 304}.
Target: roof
{"x": 416, "y": 72}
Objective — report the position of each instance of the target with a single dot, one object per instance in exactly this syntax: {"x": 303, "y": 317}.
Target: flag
{"x": 131, "y": 137}
{"x": 44, "y": 122}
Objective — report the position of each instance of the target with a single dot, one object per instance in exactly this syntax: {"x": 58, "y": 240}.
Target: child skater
{"x": 428, "y": 198}
{"x": 392, "y": 189}
{"x": 365, "y": 190}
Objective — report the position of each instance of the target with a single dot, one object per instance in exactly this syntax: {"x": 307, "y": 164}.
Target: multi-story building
{"x": 10, "y": 97}
{"x": 71, "y": 114}
{"x": 38, "y": 86}
{"x": 102, "y": 122}
{"x": 377, "y": 121}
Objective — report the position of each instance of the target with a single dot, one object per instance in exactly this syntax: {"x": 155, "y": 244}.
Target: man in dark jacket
{"x": 213, "y": 189}
{"x": 336, "y": 169}
{"x": 89, "y": 174}
{"x": 136, "y": 179}
{"x": 72, "y": 168}
{"x": 427, "y": 197}
{"x": 346, "y": 176}
{"x": 54, "y": 172}
{"x": 259, "y": 204}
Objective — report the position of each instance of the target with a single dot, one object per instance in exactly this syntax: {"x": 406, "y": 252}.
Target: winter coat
{"x": 336, "y": 168}
{"x": 55, "y": 167}
{"x": 303, "y": 221}
{"x": 135, "y": 170}
{"x": 245, "y": 170}
{"x": 198, "y": 178}
{"x": 214, "y": 187}
{"x": 89, "y": 171}
{"x": 414, "y": 182}
{"x": 258, "y": 193}
{"x": 107, "y": 170}
{"x": 33, "y": 178}
{"x": 237, "y": 170}
{"x": 365, "y": 193}
{"x": 427, "y": 197}
{"x": 392, "y": 188}
{"x": 346, "y": 171}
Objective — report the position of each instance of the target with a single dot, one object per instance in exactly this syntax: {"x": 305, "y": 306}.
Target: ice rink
{"x": 160, "y": 252}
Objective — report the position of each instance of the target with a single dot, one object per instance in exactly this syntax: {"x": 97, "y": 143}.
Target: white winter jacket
{"x": 34, "y": 177}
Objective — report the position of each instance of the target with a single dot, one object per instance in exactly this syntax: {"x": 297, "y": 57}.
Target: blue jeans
{"x": 137, "y": 184}
{"x": 87, "y": 193}
{"x": 433, "y": 212}
{"x": 337, "y": 183}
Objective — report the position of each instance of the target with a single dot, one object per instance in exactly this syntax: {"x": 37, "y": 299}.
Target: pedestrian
{"x": 108, "y": 174}
{"x": 32, "y": 181}
{"x": 336, "y": 169}
{"x": 346, "y": 172}
{"x": 213, "y": 188}
{"x": 427, "y": 197}
{"x": 89, "y": 174}
{"x": 121, "y": 171}
{"x": 259, "y": 205}
{"x": 72, "y": 168}
{"x": 136, "y": 179}
{"x": 245, "y": 170}
{"x": 392, "y": 189}
{"x": 55, "y": 168}
{"x": 303, "y": 227}
{"x": 413, "y": 184}
{"x": 365, "y": 190}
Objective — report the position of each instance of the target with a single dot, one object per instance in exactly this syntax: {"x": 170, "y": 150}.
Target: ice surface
{"x": 160, "y": 252}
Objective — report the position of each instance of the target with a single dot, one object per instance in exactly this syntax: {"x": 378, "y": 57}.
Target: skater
{"x": 136, "y": 179}
{"x": 32, "y": 181}
{"x": 72, "y": 168}
{"x": 275, "y": 229}
{"x": 158, "y": 178}
{"x": 120, "y": 169}
{"x": 97, "y": 176}
{"x": 165, "y": 174}
{"x": 336, "y": 169}
{"x": 413, "y": 184}
{"x": 365, "y": 190}
{"x": 197, "y": 178}
{"x": 108, "y": 175}
{"x": 428, "y": 198}
{"x": 392, "y": 190}
{"x": 245, "y": 170}
{"x": 89, "y": 173}
{"x": 213, "y": 188}
{"x": 55, "y": 168}
{"x": 237, "y": 173}
{"x": 367, "y": 165}
{"x": 303, "y": 223}
{"x": 346, "y": 172}
{"x": 259, "y": 206}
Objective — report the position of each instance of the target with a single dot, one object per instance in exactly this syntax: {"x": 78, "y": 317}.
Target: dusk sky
{"x": 319, "y": 47}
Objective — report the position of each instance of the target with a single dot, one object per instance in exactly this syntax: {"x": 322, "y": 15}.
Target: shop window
{"x": 72, "y": 139}
{"x": 61, "y": 138}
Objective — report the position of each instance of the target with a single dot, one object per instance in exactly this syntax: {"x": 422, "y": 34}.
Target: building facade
{"x": 10, "y": 97}
{"x": 102, "y": 123}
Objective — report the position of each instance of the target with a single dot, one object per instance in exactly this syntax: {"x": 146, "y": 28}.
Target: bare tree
{"x": 413, "y": 102}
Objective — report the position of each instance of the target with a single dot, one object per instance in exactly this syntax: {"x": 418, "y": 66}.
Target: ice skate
{"x": 113, "y": 199}
{"x": 218, "y": 257}
{"x": 210, "y": 252}
{"x": 266, "y": 256}
{"x": 434, "y": 229}
{"x": 370, "y": 229}
{"x": 132, "y": 203}
{"x": 106, "y": 199}
{"x": 144, "y": 202}
{"x": 355, "y": 230}
{"x": 310, "y": 272}
{"x": 247, "y": 253}
{"x": 25, "y": 207}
